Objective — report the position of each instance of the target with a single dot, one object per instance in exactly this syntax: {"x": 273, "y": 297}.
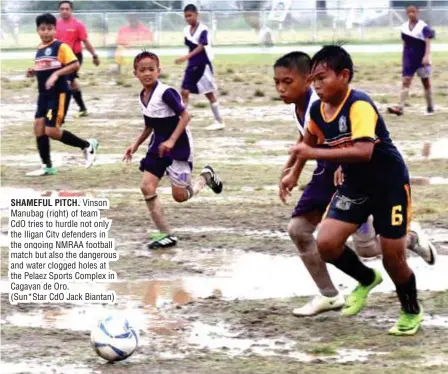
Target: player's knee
{"x": 300, "y": 232}
{"x": 426, "y": 83}
{"x": 327, "y": 246}
{"x": 148, "y": 189}
{"x": 74, "y": 86}
{"x": 52, "y": 132}
{"x": 180, "y": 195}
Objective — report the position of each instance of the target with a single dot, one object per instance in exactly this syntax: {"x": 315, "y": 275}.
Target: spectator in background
{"x": 72, "y": 32}
{"x": 134, "y": 34}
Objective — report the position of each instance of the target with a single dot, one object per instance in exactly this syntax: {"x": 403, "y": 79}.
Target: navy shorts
{"x": 53, "y": 108}
{"x": 390, "y": 208}
{"x": 422, "y": 71}
{"x": 318, "y": 193}
{"x": 178, "y": 171}
{"x": 72, "y": 76}
{"x": 198, "y": 79}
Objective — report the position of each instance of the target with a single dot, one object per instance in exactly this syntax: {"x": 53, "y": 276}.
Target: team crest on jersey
{"x": 342, "y": 124}
{"x": 47, "y": 52}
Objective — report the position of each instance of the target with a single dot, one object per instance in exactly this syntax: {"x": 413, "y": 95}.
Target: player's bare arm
{"x": 427, "y": 57}
{"x": 193, "y": 53}
{"x": 168, "y": 145}
{"x": 68, "y": 69}
{"x": 91, "y": 49}
{"x": 359, "y": 152}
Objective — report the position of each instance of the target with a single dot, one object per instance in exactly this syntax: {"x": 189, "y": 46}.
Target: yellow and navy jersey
{"x": 49, "y": 58}
{"x": 358, "y": 119}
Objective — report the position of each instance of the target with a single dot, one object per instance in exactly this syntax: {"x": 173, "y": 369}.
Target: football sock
{"x": 72, "y": 140}
{"x": 215, "y": 110}
{"x": 78, "y": 98}
{"x": 428, "y": 97}
{"x": 43, "y": 146}
{"x": 403, "y": 96}
{"x": 349, "y": 263}
{"x": 407, "y": 293}
{"x": 196, "y": 187}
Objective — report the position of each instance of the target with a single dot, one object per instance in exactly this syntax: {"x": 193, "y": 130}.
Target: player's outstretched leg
{"x": 418, "y": 242}
{"x": 366, "y": 242}
{"x": 212, "y": 179}
{"x": 394, "y": 260}
{"x": 89, "y": 147}
{"x": 301, "y": 229}
{"x": 331, "y": 243}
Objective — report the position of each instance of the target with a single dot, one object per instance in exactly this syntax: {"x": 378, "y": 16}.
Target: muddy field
{"x": 221, "y": 301}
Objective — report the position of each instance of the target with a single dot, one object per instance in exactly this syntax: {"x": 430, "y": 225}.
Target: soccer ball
{"x": 114, "y": 339}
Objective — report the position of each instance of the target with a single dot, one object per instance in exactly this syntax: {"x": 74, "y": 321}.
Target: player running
{"x": 346, "y": 127}
{"x": 54, "y": 62}
{"x": 416, "y": 35}
{"x": 73, "y": 32}
{"x": 198, "y": 78}
{"x": 293, "y": 83}
{"x": 170, "y": 149}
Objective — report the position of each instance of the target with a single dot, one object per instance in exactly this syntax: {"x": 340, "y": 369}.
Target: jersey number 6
{"x": 397, "y": 216}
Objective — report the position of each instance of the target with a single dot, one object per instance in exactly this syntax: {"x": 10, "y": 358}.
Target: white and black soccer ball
{"x": 114, "y": 339}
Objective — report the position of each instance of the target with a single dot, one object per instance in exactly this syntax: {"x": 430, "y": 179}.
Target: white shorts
{"x": 179, "y": 173}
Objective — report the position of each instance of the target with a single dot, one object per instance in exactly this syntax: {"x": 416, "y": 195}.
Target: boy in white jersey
{"x": 293, "y": 83}
{"x": 170, "y": 150}
{"x": 198, "y": 78}
{"x": 416, "y": 36}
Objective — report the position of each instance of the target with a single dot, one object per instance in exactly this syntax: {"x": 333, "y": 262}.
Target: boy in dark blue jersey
{"x": 53, "y": 63}
{"x": 346, "y": 127}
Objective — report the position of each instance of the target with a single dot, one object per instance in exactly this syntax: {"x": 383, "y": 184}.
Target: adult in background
{"x": 72, "y": 32}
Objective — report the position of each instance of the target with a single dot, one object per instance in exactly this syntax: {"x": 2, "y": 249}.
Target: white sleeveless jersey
{"x": 194, "y": 39}
{"x": 416, "y": 32}
{"x": 312, "y": 97}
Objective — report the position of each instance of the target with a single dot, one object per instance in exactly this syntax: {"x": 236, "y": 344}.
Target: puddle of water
{"x": 43, "y": 368}
{"x": 60, "y": 159}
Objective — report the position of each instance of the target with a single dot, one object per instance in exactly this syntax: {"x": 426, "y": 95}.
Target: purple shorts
{"x": 198, "y": 79}
{"x": 318, "y": 193}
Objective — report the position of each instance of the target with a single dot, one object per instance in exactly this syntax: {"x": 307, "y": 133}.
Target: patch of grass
{"x": 127, "y": 85}
{"x": 323, "y": 350}
{"x": 258, "y": 82}
{"x": 164, "y": 76}
{"x": 93, "y": 83}
{"x": 223, "y": 92}
{"x": 238, "y": 78}
{"x": 259, "y": 93}
{"x": 275, "y": 98}
{"x": 120, "y": 81}
{"x": 383, "y": 100}
{"x": 200, "y": 105}
{"x": 230, "y": 71}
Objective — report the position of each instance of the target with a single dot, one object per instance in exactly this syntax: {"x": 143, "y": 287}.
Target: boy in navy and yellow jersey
{"x": 346, "y": 127}
{"x": 54, "y": 61}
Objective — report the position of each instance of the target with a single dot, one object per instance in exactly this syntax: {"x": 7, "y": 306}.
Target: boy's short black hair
{"x": 335, "y": 58}
{"x": 146, "y": 54}
{"x": 66, "y": 2}
{"x": 190, "y": 8}
{"x": 299, "y": 61}
{"x": 46, "y": 19}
